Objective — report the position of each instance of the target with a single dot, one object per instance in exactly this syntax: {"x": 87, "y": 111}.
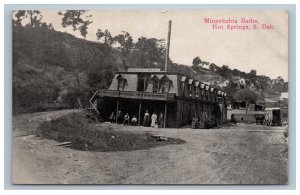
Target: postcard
{"x": 150, "y": 96}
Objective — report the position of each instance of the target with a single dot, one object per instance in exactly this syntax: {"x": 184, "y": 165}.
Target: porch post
{"x": 117, "y": 112}
{"x": 140, "y": 109}
{"x": 165, "y": 118}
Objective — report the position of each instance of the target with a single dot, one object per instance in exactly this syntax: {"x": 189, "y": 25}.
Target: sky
{"x": 265, "y": 50}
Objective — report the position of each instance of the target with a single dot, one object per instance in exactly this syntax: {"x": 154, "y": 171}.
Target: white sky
{"x": 263, "y": 50}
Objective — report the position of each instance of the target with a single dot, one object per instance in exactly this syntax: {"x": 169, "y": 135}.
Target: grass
{"x": 75, "y": 128}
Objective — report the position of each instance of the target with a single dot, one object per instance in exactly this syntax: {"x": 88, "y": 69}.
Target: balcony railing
{"x": 137, "y": 95}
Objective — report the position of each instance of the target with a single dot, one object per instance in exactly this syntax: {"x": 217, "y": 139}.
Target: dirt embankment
{"x": 79, "y": 132}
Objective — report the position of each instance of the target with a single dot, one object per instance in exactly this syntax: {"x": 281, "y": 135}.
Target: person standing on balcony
{"x": 146, "y": 119}
{"x": 153, "y": 119}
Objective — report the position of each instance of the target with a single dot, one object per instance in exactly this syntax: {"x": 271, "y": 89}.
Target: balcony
{"x": 137, "y": 95}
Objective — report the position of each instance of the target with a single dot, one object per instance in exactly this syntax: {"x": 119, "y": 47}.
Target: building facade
{"x": 176, "y": 97}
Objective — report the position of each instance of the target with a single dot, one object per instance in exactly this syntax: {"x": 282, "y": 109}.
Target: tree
{"x": 34, "y": 16}
{"x": 205, "y": 63}
{"x": 105, "y": 37}
{"x": 19, "y": 15}
{"x": 252, "y": 76}
{"x": 126, "y": 42}
{"x": 148, "y": 53}
{"x": 213, "y": 67}
{"x": 280, "y": 79}
{"x": 225, "y": 71}
{"x": 196, "y": 61}
{"x": 246, "y": 95}
{"x": 74, "y": 18}
{"x": 253, "y": 72}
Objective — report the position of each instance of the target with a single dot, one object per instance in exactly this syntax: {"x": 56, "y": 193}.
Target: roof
{"x": 155, "y": 73}
{"x": 272, "y": 108}
{"x": 270, "y": 100}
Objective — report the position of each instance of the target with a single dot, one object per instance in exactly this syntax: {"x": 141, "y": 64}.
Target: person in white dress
{"x": 153, "y": 119}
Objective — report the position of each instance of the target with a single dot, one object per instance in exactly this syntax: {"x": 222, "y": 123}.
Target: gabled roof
{"x": 165, "y": 77}
{"x": 154, "y": 76}
{"x": 120, "y": 76}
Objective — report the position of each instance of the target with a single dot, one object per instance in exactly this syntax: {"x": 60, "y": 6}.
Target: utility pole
{"x": 168, "y": 46}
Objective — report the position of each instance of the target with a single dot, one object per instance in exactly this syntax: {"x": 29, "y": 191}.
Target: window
{"x": 121, "y": 84}
{"x": 155, "y": 86}
{"x": 165, "y": 84}
{"x": 182, "y": 88}
{"x": 190, "y": 90}
{"x": 197, "y": 92}
{"x": 165, "y": 87}
{"x": 141, "y": 83}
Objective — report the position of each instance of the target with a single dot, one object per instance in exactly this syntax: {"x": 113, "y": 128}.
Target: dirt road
{"x": 241, "y": 154}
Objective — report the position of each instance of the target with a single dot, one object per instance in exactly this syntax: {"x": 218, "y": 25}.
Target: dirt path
{"x": 217, "y": 156}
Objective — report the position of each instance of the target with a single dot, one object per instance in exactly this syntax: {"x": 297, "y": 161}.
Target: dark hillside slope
{"x": 49, "y": 67}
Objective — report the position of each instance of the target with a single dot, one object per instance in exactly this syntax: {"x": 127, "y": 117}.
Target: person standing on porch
{"x": 134, "y": 121}
{"x": 161, "y": 120}
{"x": 119, "y": 117}
{"x": 126, "y": 119}
{"x": 112, "y": 117}
{"x": 146, "y": 119}
{"x": 153, "y": 119}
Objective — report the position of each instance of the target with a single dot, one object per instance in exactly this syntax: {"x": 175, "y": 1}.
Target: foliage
{"x": 147, "y": 53}
{"x": 126, "y": 42}
{"x": 196, "y": 61}
{"x": 106, "y": 36}
{"x": 74, "y": 18}
{"x": 50, "y": 69}
{"x": 246, "y": 95}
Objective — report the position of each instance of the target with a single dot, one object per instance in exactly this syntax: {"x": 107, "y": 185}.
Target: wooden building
{"x": 177, "y": 97}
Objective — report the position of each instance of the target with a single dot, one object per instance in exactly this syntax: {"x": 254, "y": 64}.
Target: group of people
{"x": 119, "y": 118}
{"x": 153, "y": 121}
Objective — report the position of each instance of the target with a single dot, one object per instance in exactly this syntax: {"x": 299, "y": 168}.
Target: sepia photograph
{"x": 150, "y": 96}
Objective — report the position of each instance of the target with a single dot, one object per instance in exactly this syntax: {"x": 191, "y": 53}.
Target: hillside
{"x": 51, "y": 69}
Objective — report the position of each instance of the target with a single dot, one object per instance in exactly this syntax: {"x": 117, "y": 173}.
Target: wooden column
{"x": 117, "y": 111}
{"x": 140, "y": 110}
{"x": 165, "y": 118}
